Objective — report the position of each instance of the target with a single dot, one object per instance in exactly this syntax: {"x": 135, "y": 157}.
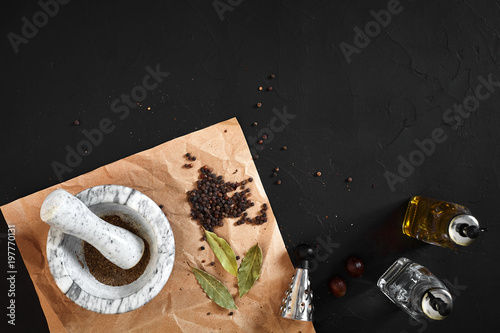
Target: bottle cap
{"x": 437, "y": 303}
{"x": 464, "y": 229}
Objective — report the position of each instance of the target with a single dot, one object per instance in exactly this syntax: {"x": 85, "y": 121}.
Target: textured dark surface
{"x": 351, "y": 120}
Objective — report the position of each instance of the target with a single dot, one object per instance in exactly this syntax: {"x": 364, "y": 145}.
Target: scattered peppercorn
{"x": 250, "y": 179}
{"x": 260, "y": 142}
{"x": 254, "y": 124}
{"x": 202, "y": 248}
{"x": 274, "y": 174}
{"x": 270, "y": 88}
{"x": 161, "y": 206}
{"x": 76, "y": 122}
{"x": 259, "y": 105}
{"x": 255, "y": 157}
{"x": 349, "y": 180}
{"x": 264, "y": 137}
{"x": 208, "y": 313}
{"x": 188, "y": 155}
{"x": 278, "y": 182}
{"x": 231, "y": 313}
{"x": 318, "y": 174}
{"x": 212, "y": 263}
{"x": 260, "y": 88}
{"x": 193, "y": 158}
{"x": 237, "y": 257}
{"x": 272, "y": 76}
{"x": 276, "y": 169}
{"x": 284, "y": 147}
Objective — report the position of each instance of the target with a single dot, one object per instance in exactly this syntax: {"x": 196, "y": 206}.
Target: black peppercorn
{"x": 211, "y": 202}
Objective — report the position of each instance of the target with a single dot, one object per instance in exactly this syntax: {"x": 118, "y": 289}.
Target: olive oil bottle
{"x": 440, "y": 223}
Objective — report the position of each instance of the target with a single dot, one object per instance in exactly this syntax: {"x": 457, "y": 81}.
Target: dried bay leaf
{"x": 223, "y": 252}
{"x": 214, "y": 289}
{"x": 249, "y": 270}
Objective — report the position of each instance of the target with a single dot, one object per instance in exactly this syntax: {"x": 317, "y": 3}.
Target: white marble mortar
{"x": 65, "y": 252}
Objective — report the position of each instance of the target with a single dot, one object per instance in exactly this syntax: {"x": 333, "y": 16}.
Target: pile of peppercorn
{"x": 211, "y": 202}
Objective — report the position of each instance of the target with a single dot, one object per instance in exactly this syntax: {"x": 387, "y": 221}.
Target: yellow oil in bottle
{"x": 428, "y": 220}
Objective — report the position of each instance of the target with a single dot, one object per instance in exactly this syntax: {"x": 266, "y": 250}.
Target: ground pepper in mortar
{"x": 211, "y": 203}
{"x": 104, "y": 270}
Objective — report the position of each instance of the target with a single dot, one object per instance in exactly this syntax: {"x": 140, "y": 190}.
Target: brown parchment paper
{"x": 181, "y": 306}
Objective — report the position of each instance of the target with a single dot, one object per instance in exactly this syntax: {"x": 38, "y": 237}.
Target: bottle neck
{"x": 464, "y": 229}
{"x": 437, "y": 303}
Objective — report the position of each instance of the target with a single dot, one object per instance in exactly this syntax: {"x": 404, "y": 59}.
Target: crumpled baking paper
{"x": 181, "y": 306}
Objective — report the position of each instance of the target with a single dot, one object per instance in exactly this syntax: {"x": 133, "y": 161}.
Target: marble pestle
{"x": 64, "y": 211}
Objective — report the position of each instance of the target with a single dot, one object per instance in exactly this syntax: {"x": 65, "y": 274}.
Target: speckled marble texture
{"x": 69, "y": 269}
{"x": 67, "y": 213}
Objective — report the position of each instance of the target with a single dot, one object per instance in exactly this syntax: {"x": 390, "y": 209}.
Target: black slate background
{"x": 351, "y": 120}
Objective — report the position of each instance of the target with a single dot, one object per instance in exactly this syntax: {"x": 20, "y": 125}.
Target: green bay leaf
{"x": 214, "y": 289}
{"x": 223, "y": 252}
{"x": 249, "y": 270}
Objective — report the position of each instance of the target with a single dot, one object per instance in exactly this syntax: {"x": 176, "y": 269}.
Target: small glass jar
{"x": 413, "y": 288}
